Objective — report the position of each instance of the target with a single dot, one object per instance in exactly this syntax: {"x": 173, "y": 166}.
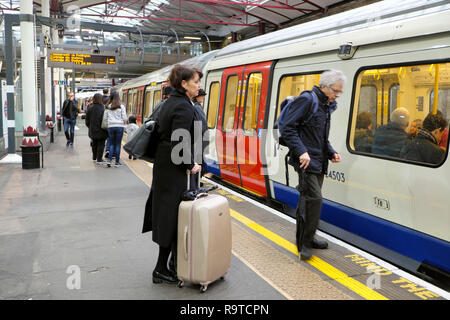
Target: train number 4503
{"x": 336, "y": 175}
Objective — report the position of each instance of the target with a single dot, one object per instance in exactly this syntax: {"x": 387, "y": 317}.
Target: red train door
{"x": 250, "y": 126}
{"x": 240, "y": 124}
{"x": 226, "y": 124}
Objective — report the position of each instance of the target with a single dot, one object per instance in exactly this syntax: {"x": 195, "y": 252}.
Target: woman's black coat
{"x": 94, "y": 117}
{"x": 169, "y": 179}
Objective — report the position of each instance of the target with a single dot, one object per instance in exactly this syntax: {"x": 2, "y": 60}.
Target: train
{"x": 394, "y": 54}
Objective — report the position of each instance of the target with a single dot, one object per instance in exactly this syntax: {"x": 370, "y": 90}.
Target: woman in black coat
{"x": 94, "y": 117}
{"x": 174, "y": 156}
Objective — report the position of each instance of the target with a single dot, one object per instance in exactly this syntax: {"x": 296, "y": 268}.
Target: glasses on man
{"x": 337, "y": 91}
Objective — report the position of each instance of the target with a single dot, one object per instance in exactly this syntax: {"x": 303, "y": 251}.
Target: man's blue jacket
{"x": 311, "y": 137}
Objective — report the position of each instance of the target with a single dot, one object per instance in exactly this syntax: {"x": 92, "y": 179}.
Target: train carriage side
{"x": 395, "y": 208}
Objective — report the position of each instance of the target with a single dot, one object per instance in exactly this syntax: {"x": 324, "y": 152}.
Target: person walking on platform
{"x": 116, "y": 122}
{"x": 94, "y": 117}
{"x": 70, "y": 114}
{"x": 310, "y": 150}
{"x": 105, "y": 96}
{"x": 170, "y": 167}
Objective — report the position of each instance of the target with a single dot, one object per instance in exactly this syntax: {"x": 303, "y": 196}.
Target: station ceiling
{"x": 212, "y": 17}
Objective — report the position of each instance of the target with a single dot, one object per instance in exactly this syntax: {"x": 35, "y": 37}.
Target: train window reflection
{"x": 396, "y": 115}
{"x": 213, "y": 103}
{"x": 147, "y": 104}
{"x": 294, "y": 85}
{"x": 253, "y": 93}
{"x": 231, "y": 100}
{"x": 156, "y": 98}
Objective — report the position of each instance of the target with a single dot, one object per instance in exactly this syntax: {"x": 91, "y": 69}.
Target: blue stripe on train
{"x": 408, "y": 242}
{"x": 212, "y": 166}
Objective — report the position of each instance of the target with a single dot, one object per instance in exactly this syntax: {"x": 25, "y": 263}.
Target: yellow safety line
{"x": 316, "y": 262}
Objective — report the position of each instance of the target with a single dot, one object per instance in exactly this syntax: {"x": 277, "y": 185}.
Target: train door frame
{"x": 125, "y": 99}
{"x": 248, "y": 146}
{"x": 139, "y": 104}
{"x": 148, "y": 97}
{"x": 226, "y": 139}
{"x": 211, "y": 154}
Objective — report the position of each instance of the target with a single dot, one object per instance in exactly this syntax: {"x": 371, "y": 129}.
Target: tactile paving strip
{"x": 287, "y": 275}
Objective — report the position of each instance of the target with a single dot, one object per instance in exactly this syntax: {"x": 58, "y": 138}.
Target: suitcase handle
{"x": 185, "y": 243}
{"x": 188, "y": 173}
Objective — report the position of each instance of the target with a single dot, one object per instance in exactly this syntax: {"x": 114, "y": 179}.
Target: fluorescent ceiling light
{"x": 193, "y": 38}
{"x": 183, "y": 41}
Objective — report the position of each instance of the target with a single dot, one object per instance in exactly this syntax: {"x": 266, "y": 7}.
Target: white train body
{"x": 389, "y": 205}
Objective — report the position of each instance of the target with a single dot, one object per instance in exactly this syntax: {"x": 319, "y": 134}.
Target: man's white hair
{"x": 400, "y": 116}
{"x": 330, "y": 77}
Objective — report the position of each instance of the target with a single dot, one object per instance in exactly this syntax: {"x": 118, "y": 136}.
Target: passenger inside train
{"x": 390, "y": 138}
{"x": 425, "y": 147}
{"x": 364, "y": 133}
{"x": 416, "y": 125}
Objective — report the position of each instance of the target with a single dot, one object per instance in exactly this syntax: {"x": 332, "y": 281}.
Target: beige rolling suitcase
{"x": 204, "y": 240}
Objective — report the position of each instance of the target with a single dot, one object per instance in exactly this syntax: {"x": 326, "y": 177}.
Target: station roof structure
{"x": 212, "y": 17}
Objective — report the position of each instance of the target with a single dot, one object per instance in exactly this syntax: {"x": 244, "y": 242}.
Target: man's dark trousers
{"x": 69, "y": 124}
{"x": 313, "y": 199}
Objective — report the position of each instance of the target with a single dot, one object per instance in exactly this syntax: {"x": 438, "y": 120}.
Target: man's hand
{"x": 304, "y": 160}
{"x": 336, "y": 158}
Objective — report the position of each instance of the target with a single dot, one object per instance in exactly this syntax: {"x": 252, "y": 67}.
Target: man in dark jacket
{"x": 310, "y": 149}
{"x": 425, "y": 147}
{"x": 390, "y": 138}
{"x": 94, "y": 117}
{"x": 70, "y": 114}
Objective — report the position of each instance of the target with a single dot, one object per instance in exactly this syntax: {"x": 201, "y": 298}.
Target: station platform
{"x": 72, "y": 230}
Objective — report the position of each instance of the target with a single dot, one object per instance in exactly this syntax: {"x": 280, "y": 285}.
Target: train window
{"x": 443, "y": 101}
{"x": 368, "y": 101}
{"x": 156, "y": 97}
{"x": 395, "y": 131}
{"x": 293, "y": 85}
{"x": 213, "y": 104}
{"x": 230, "y": 103}
{"x": 148, "y": 95}
{"x": 253, "y": 92}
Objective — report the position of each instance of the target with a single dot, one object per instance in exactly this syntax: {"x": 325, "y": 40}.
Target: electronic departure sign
{"x": 58, "y": 59}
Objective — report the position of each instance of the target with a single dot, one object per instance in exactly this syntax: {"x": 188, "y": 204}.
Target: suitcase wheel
{"x": 203, "y": 288}
{"x": 180, "y": 284}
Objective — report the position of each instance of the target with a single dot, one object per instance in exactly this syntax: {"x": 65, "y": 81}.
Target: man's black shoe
{"x": 159, "y": 277}
{"x": 306, "y": 253}
{"x": 318, "y": 244}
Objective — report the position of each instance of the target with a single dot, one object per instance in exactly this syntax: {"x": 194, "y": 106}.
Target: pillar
{"x": 30, "y": 143}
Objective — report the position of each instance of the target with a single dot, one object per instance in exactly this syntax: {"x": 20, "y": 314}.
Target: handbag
{"x": 144, "y": 142}
{"x": 105, "y": 120}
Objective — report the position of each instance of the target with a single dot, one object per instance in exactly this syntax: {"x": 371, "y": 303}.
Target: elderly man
{"x": 307, "y": 139}
{"x": 390, "y": 138}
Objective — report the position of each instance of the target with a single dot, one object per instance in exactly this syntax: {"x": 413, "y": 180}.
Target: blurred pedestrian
{"x": 116, "y": 117}
{"x": 94, "y": 117}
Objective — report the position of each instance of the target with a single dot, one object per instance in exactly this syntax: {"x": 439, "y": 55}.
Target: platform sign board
{"x": 70, "y": 60}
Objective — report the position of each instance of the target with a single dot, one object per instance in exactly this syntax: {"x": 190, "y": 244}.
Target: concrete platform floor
{"x": 72, "y": 219}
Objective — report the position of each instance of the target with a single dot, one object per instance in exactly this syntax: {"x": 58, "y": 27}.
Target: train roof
{"x": 163, "y": 73}
{"x": 381, "y": 21}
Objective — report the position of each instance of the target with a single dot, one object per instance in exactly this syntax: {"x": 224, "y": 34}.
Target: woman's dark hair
{"x": 180, "y": 73}
{"x": 98, "y": 98}
{"x": 435, "y": 121}
{"x": 131, "y": 119}
{"x": 115, "y": 100}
